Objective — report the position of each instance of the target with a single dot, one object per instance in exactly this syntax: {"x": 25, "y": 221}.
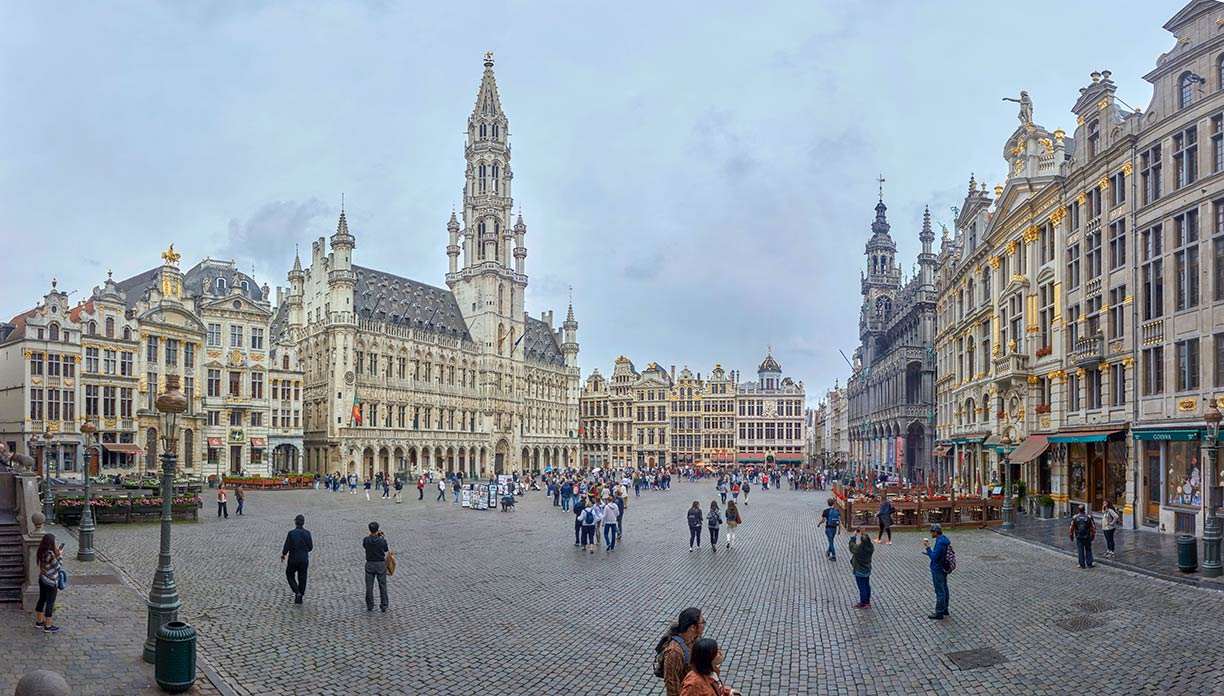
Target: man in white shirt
{"x": 610, "y": 512}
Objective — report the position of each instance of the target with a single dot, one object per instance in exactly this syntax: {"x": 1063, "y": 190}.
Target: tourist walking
{"x": 222, "y": 501}
{"x": 1083, "y": 531}
{"x": 352, "y": 481}
{"x": 1110, "y": 519}
{"x": 672, "y": 651}
{"x": 714, "y": 522}
{"x": 734, "y": 520}
{"x": 587, "y": 520}
{"x": 579, "y": 507}
{"x": 441, "y": 491}
{"x": 399, "y": 490}
{"x": 297, "y": 548}
{"x": 240, "y": 496}
{"x": 703, "y": 678}
{"x": 884, "y": 517}
{"x": 456, "y": 486}
{"x": 722, "y": 490}
{"x": 830, "y": 518}
{"x": 376, "y": 551}
{"x": 421, "y": 488}
{"x": 567, "y": 491}
{"x": 386, "y": 487}
{"x": 610, "y": 524}
{"x": 735, "y": 490}
{"x": 694, "y": 525}
{"x": 936, "y": 550}
{"x": 861, "y": 549}
{"x": 367, "y": 489}
{"x": 50, "y": 563}
{"x": 745, "y": 489}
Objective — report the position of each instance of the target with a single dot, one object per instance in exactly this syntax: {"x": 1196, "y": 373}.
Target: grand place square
{"x": 307, "y": 386}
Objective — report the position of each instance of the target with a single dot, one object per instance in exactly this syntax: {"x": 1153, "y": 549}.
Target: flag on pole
{"x": 502, "y": 338}
{"x": 356, "y": 416}
{"x": 520, "y": 340}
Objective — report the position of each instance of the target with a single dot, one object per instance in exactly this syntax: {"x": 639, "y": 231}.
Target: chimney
{"x": 673, "y": 373}
{"x": 280, "y": 295}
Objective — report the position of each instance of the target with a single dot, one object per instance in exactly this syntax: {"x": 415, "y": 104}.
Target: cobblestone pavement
{"x": 102, "y": 634}
{"x": 492, "y": 602}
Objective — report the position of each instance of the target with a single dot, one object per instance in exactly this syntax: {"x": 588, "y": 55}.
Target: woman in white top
{"x": 609, "y": 512}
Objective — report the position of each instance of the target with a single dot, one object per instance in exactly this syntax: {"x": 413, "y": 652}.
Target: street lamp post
{"x": 85, "y": 547}
{"x": 163, "y": 599}
{"x": 1211, "y": 521}
{"x": 1008, "y": 512}
{"x": 48, "y": 496}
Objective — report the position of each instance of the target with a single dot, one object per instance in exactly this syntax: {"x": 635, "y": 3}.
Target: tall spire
{"x": 488, "y": 104}
{"x": 927, "y": 235}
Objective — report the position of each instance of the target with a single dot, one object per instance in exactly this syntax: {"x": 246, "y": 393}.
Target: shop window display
{"x": 1185, "y": 474}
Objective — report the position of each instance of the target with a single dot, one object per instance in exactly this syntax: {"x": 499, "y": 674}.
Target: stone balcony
{"x": 1011, "y": 365}
{"x": 1088, "y": 351}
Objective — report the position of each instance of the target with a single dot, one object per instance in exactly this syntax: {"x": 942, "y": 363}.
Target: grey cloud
{"x": 268, "y": 236}
{"x": 647, "y": 268}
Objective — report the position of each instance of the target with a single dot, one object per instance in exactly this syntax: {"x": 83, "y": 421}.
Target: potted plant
{"x": 1021, "y": 492}
{"x": 1046, "y": 503}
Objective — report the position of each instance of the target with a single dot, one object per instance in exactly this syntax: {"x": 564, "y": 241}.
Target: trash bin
{"x": 175, "y": 660}
{"x": 1187, "y": 553}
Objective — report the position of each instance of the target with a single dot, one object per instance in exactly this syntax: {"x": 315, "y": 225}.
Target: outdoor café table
{"x": 971, "y": 510}
{"x": 941, "y": 511}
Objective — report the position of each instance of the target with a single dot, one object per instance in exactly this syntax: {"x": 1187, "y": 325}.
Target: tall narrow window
{"x": 1186, "y": 258}
{"x": 1152, "y": 273}
{"x": 1094, "y": 138}
{"x": 1149, "y": 174}
{"x": 1185, "y": 91}
{"x": 1073, "y": 266}
{"x": 1092, "y": 253}
{"x": 1117, "y": 315}
{"x": 1117, "y": 244}
{"x": 1187, "y": 364}
{"x": 1217, "y": 143}
{"x": 1185, "y": 156}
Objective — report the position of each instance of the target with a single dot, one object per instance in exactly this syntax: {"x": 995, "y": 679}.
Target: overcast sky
{"x": 702, "y": 173}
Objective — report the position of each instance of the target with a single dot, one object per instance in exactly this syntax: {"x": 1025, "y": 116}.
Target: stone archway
{"x": 367, "y": 463}
{"x": 384, "y": 461}
{"x": 501, "y": 457}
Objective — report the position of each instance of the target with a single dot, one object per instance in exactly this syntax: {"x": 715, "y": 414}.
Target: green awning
{"x": 1084, "y": 436}
{"x": 1183, "y": 434}
{"x": 967, "y": 440}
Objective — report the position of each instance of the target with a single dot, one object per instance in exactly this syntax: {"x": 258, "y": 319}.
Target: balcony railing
{"x": 1088, "y": 351}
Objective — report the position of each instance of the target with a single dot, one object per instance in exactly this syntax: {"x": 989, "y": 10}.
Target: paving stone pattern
{"x": 492, "y": 602}
{"x": 98, "y": 649}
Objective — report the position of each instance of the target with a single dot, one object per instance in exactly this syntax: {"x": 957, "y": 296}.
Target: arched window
{"x": 1094, "y": 138}
{"x": 285, "y": 361}
{"x": 495, "y": 131}
{"x": 246, "y": 287}
{"x": 1185, "y": 89}
{"x": 483, "y": 172}
{"x": 127, "y": 333}
{"x": 482, "y": 131}
{"x": 53, "y": 331}
{"x": 91, "y": 328}
{"x": 110, "y": 328}
{"x": 495, "y": 170}
{"x": 221, "y": 284}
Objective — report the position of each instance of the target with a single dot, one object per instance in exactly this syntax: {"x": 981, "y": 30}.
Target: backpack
{"x": 1083, "y": 526}
{"x": 714, "y": 519}
{"x": 658, "y": 661}
{"x": 834, "y": 518}
{"x": 949, "y": 563}
{"x": 588, "y": 518}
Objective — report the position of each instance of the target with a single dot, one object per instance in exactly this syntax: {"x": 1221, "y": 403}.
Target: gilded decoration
{"x": 1081, "y": 372}
{"x": 1103, "y": 184}
{"x": 999, "y": 189}
{"x": 1011, "y": 248}
{"x": 170, "y": 256}
{"x": 1079, "y": 120}
{"x": 1033, "y": 379}
{"x": 1186, "y": 404}
{"x": 1019, "y": 148}
{"x": 1057, "y": 215}
{"x": 1104, "y": 367}
{"x": 1081, "y": 198}
{"x": 1046, "y": 144}
{"x": 1103, "y": 104}
{"x": 995, "y": 261}
{"x": 214, "y": 353}
{"x": 1059, "y": 135}
{"x": 1127, "y": 168}
{"x": 1045, "y": 422}
{"x": 29, "y": 354}
{"x": 1031, "y": 233}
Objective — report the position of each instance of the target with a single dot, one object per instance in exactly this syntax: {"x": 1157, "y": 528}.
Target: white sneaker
{"x": 690, "y": 549}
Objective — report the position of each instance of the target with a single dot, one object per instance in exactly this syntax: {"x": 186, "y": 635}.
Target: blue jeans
{"x": 565, "y": 502}
{"x": 831, "y": 532}
{"x": 610, "y": 536}
{"x": 940, "y": 580}
{"x": 864, "y": 588}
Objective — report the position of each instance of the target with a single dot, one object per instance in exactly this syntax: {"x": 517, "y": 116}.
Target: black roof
{"x": 382, "y": 296}
{"x": 541, "y": 343}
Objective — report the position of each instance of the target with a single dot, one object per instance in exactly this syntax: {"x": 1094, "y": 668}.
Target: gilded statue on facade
{"x": 170, "y": 256}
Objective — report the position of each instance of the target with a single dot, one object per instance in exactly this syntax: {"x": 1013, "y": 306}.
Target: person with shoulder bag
{"x": 714, "y": 521}
{"x": 51, "y": 579}
{"x": 734, "y": 520}
{"x": 376, "y": 552}
{"x": 1083, "y": 531}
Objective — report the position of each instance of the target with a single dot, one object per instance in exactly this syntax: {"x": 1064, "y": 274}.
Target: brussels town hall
{"x": 402, "y": 376}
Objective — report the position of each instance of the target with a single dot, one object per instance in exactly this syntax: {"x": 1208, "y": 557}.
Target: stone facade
{"x": 891, "y": 395}
{"x": 1081, "y": 309}
{"x": 404, "y": 377}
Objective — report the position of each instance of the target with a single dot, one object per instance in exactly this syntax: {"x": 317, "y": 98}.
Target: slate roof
{"x": 199, "y": 281}
{"x": 541, "y": 343}
{"x": 381, "y": 296}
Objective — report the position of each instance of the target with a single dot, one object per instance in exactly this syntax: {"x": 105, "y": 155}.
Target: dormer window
{"x": 1094, "y": 138}
{"x": 220, "y": 284}
{"x": 246, "y": 287}
{"x": 53, "y": 330}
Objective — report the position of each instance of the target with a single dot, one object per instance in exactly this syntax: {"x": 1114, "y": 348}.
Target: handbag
{"x": 62, "y": 580}
{"x": 390, "y": 563}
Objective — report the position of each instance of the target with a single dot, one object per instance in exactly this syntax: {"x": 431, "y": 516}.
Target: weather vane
{"x": 881, "y": 180}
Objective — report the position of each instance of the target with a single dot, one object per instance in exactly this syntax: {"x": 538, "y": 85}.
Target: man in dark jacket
{"x": 297, "y": 548}
{"x": 1083, "y": 531}
{"x": 375, "y": 546}
{"x": 579, "y": 506}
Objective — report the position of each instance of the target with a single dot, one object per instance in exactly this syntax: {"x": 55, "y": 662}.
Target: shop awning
{"x": 1084, "y": 435}
{"x": 123, "y": 447}
{"x": 941, "y": 451}
{"x": 993, "y": 441}
{"x": 214, "y": 442}
{"x": 258, "y": 442}
{"x": 1030, "y": 449}
{"x": 798, "y": 460}
{"x": 968, "y": 439}
{"x": 1170, "y": 434}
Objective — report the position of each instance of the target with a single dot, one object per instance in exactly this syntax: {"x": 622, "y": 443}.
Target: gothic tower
{"x": 880, "y": 284}
{"x": 491, "y": 281}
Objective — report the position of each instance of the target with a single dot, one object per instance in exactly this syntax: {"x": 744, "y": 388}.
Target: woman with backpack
{"x": 714, "y": 522}
{"x": 587, "y": 518}
{"x": 860, "y": 564}
{"x": 1110, "y": 519}
{"x": 733, "y": 520}
{"x": 694, "y": 524}
{"x": 49, "y": 558}
{"x": 672, "y": 661}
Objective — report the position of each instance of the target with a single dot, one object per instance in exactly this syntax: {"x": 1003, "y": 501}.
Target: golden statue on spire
{"x": 170, "y": 257}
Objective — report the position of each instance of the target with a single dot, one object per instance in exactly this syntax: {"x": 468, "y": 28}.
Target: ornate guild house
{"x": 402, "y": 376}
